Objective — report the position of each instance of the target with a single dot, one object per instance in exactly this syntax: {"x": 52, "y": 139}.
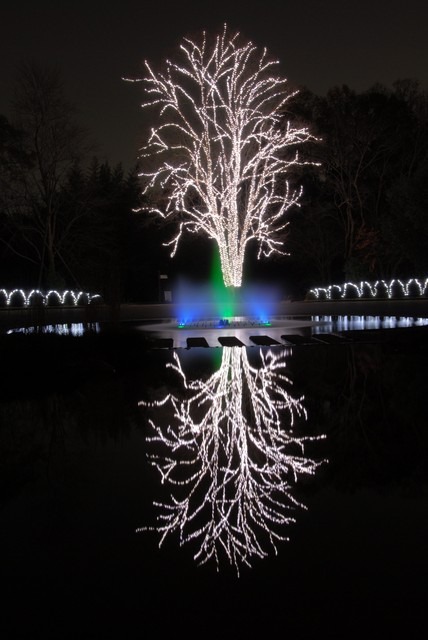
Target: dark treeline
{"x": 67, "y": 220}
{"x": 365, "y": 209}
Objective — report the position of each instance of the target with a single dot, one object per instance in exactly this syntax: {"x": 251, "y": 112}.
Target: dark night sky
{"x": 320, "y": 44}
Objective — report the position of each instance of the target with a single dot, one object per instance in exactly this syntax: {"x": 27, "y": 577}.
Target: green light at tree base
{"x": 224, "y": 297}
{"x": 228, "y": 174}
{"x": 221, "y": 307}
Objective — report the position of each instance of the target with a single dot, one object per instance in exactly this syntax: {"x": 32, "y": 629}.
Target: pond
{"x": 296, "y": 474}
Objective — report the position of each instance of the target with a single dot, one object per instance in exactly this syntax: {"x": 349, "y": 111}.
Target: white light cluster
{"x": 78, "y": 297}
{"x": 222, "y": 148}
{"x": 75, "y": 329}
{"x": 332, "y": 324}
{"x": 231, "y": 458}
{"x": 364, "y": 289}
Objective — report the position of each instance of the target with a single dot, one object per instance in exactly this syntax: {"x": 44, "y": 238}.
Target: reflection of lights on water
{"x": 75, "y": 329}
{"x": 231, "y": 458}
{"x": 355, "y": 323}
{"x": 420, "y": 322}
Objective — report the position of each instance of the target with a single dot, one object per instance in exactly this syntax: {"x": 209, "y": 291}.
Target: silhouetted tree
{"x": 96, "y": 241}
{"x": 71, "y": 223}
{"x": 366, "y": 206}
{"x": 50, "y": 143}
{"x": 16, "y": 233}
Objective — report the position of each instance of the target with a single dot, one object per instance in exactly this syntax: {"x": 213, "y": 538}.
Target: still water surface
{"x": 223, "y": 454}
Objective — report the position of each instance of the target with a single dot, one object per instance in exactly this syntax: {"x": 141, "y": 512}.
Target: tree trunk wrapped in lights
{"x": 231, "y": 458}
{"x": 221, "y": 150}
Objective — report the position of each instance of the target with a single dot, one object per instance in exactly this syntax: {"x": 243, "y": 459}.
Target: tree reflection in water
{"x": 231, "y": 457}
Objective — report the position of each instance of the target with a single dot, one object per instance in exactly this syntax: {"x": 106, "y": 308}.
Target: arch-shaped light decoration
{"x": 378, "y": 289}
{"x": 49, "y": 297}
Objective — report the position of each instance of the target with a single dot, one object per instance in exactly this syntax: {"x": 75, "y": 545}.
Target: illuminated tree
{"x": 231, "y": 458}
{"x": 222, "y": 149}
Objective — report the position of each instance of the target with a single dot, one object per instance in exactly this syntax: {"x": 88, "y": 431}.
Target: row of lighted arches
{"x": 35, "y": 297}
{"x": 412, "y": 288}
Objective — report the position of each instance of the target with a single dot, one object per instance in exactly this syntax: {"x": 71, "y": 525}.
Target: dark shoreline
{"x": 11, "y": 317}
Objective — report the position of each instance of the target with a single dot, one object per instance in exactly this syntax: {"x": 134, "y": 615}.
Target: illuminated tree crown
{"x": 221, "y": 149}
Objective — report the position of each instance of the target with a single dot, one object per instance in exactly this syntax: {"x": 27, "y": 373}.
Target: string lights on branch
{"x": 231, "y": 458}
{"x": 219, "y": 157}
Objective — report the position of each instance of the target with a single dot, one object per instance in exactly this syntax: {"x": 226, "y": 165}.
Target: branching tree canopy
{"x": 222, "y": 148}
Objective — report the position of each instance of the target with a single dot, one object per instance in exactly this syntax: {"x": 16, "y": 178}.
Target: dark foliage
{"x": 364, "y": 214}
{"x": 66, "y": 222}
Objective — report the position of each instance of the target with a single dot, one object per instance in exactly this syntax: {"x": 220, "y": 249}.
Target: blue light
{"x": 260, "y": 302}
{"x": 203, "y": 303}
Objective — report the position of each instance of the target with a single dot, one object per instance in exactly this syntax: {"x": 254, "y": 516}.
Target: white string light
{"x": 221, "y": 150}
{"x": 52, "y": 296}
{"x": 379, "y": 288}
{"x": 231, "y": 458}
{"x": 75, "y": 329}
{"x": 332, "y": 324}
